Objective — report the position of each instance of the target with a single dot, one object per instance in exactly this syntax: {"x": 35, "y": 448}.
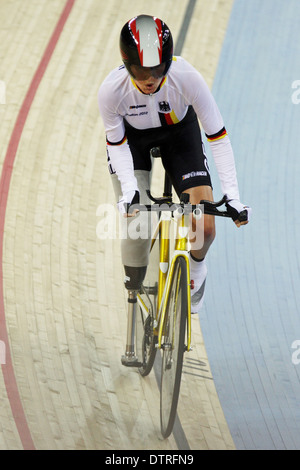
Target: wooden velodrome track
{"x": 63, "y": 306}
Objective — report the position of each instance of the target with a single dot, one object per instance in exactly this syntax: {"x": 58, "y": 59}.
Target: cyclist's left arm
{"x": 212, "y": 122}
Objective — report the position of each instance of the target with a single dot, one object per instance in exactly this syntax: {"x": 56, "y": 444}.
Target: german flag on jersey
{"x": 219, "y": 135}
{"x": 167, "y": 119}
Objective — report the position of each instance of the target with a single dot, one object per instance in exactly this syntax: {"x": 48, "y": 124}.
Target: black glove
{"x": 129, "y": 206}
{"x": 238, "y": 211}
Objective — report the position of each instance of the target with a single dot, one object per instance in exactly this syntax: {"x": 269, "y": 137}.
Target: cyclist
{"x": 156, "y": 99}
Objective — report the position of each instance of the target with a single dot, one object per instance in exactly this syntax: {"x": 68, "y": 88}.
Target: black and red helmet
{"x": 146, "y": 42}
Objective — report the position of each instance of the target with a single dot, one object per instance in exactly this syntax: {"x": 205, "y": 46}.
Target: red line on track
{"x": 7, "y": 368}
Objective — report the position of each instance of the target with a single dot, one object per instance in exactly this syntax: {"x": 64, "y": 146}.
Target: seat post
{"x": 155, "y": 152}
{"x": 167, "y": 187}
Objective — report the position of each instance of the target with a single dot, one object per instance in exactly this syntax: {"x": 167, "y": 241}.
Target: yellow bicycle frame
{"x": 165, "y": 274}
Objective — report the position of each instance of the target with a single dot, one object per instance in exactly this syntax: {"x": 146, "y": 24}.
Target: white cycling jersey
{"x": 119, "y": 98}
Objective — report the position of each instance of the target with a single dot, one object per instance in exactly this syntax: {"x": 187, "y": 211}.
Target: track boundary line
{"x": 7, "y": 169}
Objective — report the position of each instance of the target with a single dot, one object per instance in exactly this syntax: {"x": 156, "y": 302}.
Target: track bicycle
{"x": 159, "y": 315}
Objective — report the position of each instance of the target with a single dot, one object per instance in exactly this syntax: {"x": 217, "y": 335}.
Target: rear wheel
{"x": 173, "y": 346}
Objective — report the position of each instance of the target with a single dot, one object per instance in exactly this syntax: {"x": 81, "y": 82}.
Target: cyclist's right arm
{"x": 118, "y": 151}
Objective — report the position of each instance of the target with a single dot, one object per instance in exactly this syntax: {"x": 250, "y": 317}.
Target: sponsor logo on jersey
{"x": 192, "y": 174}
{"x": 137, "y": 106}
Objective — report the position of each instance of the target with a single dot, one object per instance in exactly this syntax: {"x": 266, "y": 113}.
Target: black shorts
{"x": 181, "y": 147}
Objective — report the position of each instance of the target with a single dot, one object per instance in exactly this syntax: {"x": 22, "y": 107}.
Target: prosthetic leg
{"x": 133, "y": 282}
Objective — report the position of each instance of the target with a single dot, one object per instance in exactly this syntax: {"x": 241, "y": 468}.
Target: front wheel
{"x": 173, "y": 346}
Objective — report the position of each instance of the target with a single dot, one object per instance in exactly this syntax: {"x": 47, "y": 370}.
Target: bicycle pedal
{"x": 131, "y": 361}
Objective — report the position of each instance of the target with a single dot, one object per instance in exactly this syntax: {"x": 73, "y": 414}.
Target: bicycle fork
{"x": 130, "y": 358}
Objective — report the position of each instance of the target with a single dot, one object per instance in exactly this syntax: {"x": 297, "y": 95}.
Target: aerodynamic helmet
{"x": 146, "y": 44}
